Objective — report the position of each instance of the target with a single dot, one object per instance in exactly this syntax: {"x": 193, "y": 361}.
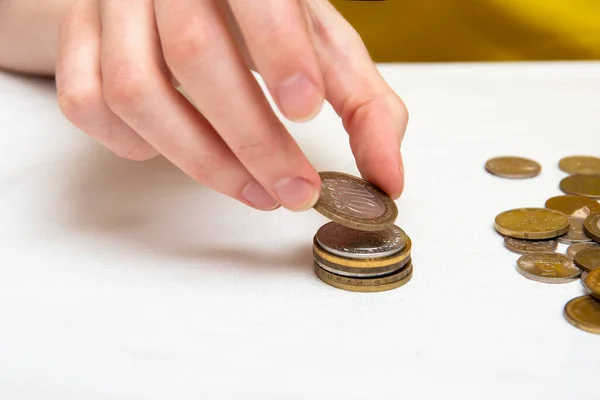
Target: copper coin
{"x": 513, "y": 167}
{"x": 584, "y": 313}
{"x": 583, "y": 277}
{"x": 588, "y": 259}
{"x": 591, "y": 227}
{"x": 568, "y": 204}
{"x": 532, "y": 223}
{"x": 548, "y": 268}
{"x": 585, "y": 165}
{"x": 582, "y": 185}
{"x": 573, "y": 249}
{"x": 592, "y": 282}
{"x": 522, "y": 246}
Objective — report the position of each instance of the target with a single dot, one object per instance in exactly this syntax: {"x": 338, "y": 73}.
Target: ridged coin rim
{"x": 581, "y": 324}
{"x": 532, "y": 235}
{"x": 369, "y": 285}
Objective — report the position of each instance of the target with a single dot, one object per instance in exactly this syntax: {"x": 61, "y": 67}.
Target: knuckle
{"x": 187, "y": 45}
{"x": 75, "y": 102}
{"x": 203, "y": 169}
{"x": 124, "y": 86}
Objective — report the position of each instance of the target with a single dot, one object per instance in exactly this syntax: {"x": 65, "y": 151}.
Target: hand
{"x": 116, "y": 64}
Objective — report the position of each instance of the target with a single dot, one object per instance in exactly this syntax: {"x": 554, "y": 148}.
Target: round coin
{"x": 354, "y": 272}
{"x": 568, "y": 204}
{"x": 354, "y": 202}
{"x": 575, "y": 233}
{"x": 588, "y": 259}
{"x": 513, "y": 167}
{"x": 585, "y": 165}
{"x": 584, "y": 313}
{"x": 378, "y": 284}
{"x": 548, "y": 268}
{"x": 573, "y": 249}
{"x": 522, "y": 246}
{"x": 592, "y": 282}
{"x": 591, "y": 227}
{"x": 582, "y": 185}
{"x": 354, "y": 243}
{"x": 532, "y": 223}
{"x": 583, "y": 277}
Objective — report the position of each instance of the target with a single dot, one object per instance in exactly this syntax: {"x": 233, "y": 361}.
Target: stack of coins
{"x": 361, "y": 250}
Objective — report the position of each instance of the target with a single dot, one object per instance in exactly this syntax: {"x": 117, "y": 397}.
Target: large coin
{"x": 592, "y": 282}
{"x": 354, "y": 202}
{"x": 522, "y": 246}
{"x": 588, "y": 259}
{"x": 378, "y": 284}
{"x": 576, "y": 233}
{"x": 513, "y": 167}
{"x": 582, "y": 185}
{"x": 573, "y": 249}
{"x": 591, "y": 227}
{"x": 584, "y": 313}
{"x": 532, "y": 223}
{"x": 353, "y": 272}
{"x": 568, "y": 204}
{"x": 548, "y": 268}
{"x": 354, "y": 243}
{"x": 584, "y": 165}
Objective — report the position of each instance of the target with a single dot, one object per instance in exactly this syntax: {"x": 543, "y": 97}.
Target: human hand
{"x": 114, "y": 74}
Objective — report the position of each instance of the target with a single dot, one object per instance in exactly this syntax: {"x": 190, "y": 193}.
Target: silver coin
{"x": 353, "y": 243}
{"x": 584, "y": 276}
{"x": 575, "y": 233}
{"x": 548, "y": 268}
{"x": 522, "y": 246}
{"x": 573, "y": 249}
{"x": 366, "y": 273}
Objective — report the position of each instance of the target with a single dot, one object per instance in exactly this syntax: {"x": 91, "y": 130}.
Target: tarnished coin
{"x": 513, "y": 167}
{"x": 584, "y": 313}
{"x": 532, "y": 223}
{"x": 355, "y": 203}
{"x": 588, "y": 259}
{"x": 585, "y": 165}
{"x": 568, "y": 204}
{"x": 592, "y": 282}
{"x": 354, "y": 272}
{"x": 548, "y": 268}
{"x": 378, "y": 284}
{"x": 582, "y": 185}
{"x": 576, "y": 233}
{"x": 573, "y": 249}
{"x": 583, "y": 277}
{"x": 591, "y": 227}
{"x": 522, "y": 246}
{"x": 354, "y": 243}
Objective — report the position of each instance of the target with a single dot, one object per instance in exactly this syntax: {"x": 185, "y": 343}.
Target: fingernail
{"x": 298, "y": 98}
{"x": 296, "y": 194}
{"x": 257, "y": 196}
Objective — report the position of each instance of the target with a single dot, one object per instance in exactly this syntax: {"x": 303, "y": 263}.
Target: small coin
{"x": 354, "y": 243}
{"x": 576, "y": 233}
{"x": 591, "y": 227}
{"x": 568, "y": 204}
{"x": 583, "y": 277}
{"x": 585, "y": 165}
{"x": 584, "y": 313}
{"x": 582, "y": 185}
{"x": 353, "y": 272}
{"x": 513, "y": 167}
{"x": 522, "y": 246}
{"x": 573, "y": 249}
{"x": 548, "y": 268}
{"x": 532, "y": 223}
{"x": 378, "y": 284}
{"x": 592, "y": 282}
{"x": 354, "y": 202}
{"x": 588, "y": 259}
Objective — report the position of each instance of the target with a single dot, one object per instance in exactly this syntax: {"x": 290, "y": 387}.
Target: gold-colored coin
{"x": 584, "y": 313}
{"x": 358, "y": 272}
{"x": 548, "y": 268}
{"x": 568, "y": 204}
{"x": 378, "y": 284}
{"x": 588, "y": 259}
{"x": 591, "y": 227}
{"x": 592, "y": 282}
{"x": 582, "y": 185}
{"x": 583, "y": 277}
{"x": 532, "y": 223}
{"x": 585, "y": 165}
{"x": 573, "y": 249}
{"x": 576, "y": 233}
{"x": 354, "y": 202}
{"x": 513, "y": 167}
{"x": 522, "y": 246}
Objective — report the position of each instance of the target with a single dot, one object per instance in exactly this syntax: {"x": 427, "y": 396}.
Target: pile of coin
{"x": 572, "y": 219}
{"x": 361, "y": 250}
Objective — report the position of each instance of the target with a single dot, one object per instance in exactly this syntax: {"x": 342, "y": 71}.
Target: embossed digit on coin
{"x": 568, "y": 204}
{"x": 588, "y": 259}
{"x": 585, "y": 165}
{"x": 532, "y": 223}
{"x": 582, "y": 185}
{"x": 522, "y": 246}
{"x": 513, "y": 167}
{"x": 591, "y": 227}
{"x": 354, "y": 202}
{"x": 548, "y": 268}
{"x": 584, "y": 313}
{"x": 573, "y": 249}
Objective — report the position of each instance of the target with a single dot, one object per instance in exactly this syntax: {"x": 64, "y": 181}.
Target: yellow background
{"x": 476, "y": 30}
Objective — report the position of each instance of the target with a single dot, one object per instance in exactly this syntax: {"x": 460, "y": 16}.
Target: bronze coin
{"x": 522, "y": 246}
{"x": 592, "y": 282}
{"x": 575, "y": 233}
{"x": 582, "y": 185}
{"x": 573, "y": 249}
{"x": 513, "y": 167}
{"x": 548, "y": 268}
{"x": 568, "y": 204}
{"x": 588, "y": 259}
{"x": 585, "y": 165}
{"x": 532, "y": 223}
{"x": 591, "y": 227}
{"x": 584, "y": 313}
{"x": 377, "y": 284}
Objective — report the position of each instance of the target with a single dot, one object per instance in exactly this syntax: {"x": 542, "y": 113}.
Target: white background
{"x": 127, "y": 280}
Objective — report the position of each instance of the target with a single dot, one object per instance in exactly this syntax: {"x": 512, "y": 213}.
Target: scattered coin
{"x": 582, "y": 185}
{"x": 585, "y": 165}
{"x": 583, "y": 277}
{"x": 568, "y": 204}
{"x": 522, "y": 246}
{"x": 354, "y": 202}
{"x": 591, "y": 227}
{"x": 592, "y": 282}
{"x": 575, "y": 233}
{"x": 584, "y": 313}
{"x": 588, "y": 259}
{"x": 548, "y": 268}
{"x": 513, "y": 167}
{"x": 532, "y": 223}
{"x": 573, "y": 249}
{"x": 377, "y": 284}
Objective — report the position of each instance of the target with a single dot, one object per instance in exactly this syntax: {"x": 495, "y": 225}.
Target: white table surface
{"x": 123, "y": 280}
